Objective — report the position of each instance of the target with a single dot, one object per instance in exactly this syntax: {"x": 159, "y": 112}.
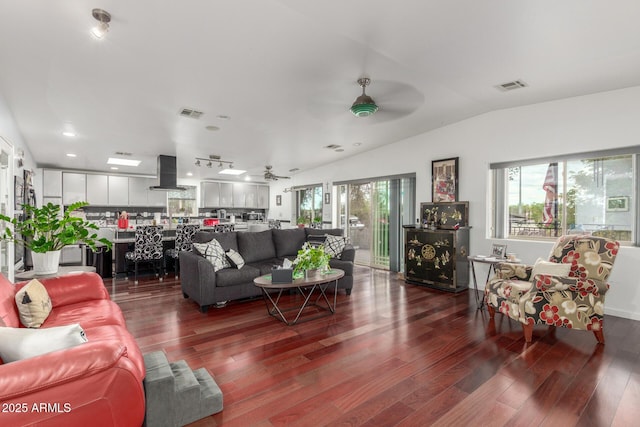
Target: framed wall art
{"x": 444, "y": 180}
{"x": 278, "y": 200}
{"x": 327, "y": 198}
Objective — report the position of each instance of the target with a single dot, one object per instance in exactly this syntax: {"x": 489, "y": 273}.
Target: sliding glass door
{"x": 372, "y": 214}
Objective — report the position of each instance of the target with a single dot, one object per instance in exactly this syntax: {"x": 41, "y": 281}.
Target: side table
{"x": 492, "y": 261}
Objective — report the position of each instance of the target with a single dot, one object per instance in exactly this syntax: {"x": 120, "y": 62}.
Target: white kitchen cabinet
{"x": 97, "y": 190}
{"x": 226, "y": 195}
{"x": 209, "y": 194}
{"x": 251, "y": 196}
{"x": 239, "y": 195}
{"x": 138, "y": 189}
{"x": 263, "y": 197}
{"x": 74, "y": 187}
{"x": 118, "y": 190}
{"x": 52, "y": 183}
{"x": 156, "y": 197}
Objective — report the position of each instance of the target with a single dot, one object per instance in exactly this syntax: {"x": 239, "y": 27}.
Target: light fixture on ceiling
{"x": 123, "y": 162}
{"x": 364, "y": 105}
{"x": 213, "y": 158}
{"x": 69, "y": 133}
{"x": 102, "y": 27}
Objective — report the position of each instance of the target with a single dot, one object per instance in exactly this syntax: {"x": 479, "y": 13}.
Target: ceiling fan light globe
{"x": 364, "y": 109}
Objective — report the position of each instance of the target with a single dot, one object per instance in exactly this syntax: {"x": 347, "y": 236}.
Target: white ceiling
{"x": 285, "y": 72}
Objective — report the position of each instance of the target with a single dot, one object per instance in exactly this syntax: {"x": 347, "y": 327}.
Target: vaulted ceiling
{"x": 277, "y": 77}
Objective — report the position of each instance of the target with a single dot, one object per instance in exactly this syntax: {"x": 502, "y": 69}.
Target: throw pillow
{"x": 214, "y": 253}
{"x": 22, "y": 343}
{"x": 334, "y": 245}
{"x": 34, "y": 304}
{"x": 235, "y": 259}
{"x": 551, "y": 268}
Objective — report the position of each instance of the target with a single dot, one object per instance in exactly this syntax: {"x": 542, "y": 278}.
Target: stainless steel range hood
{"x": 167, "y": 174}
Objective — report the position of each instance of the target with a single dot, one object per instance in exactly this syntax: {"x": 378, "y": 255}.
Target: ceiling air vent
{"x": 332, "y": 146}
{"x": 516, "y": 84}
{"x": 123, "y": 153}
{"x": 190, "y": 112}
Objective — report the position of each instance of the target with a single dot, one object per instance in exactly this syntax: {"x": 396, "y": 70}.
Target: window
{"x": 578, "y": 194}
{"x": 309, "y": 204}
{"x": 182, "y": 203}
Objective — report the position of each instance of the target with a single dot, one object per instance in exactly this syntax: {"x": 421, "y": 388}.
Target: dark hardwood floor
{"x": 392, "y": 355}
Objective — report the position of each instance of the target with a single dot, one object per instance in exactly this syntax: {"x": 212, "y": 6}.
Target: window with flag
{"x": 579, "y": 194}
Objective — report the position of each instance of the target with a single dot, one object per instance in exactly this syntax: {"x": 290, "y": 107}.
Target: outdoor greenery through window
{"x": 309, "y": 204}
{"x": 592, "y": 195}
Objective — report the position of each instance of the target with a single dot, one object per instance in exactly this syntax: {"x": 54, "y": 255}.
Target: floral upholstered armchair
{"x": 545, "y": 295}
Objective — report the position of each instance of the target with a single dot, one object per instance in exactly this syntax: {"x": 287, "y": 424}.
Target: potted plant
{"x": 301, "y": 221}
{"x": 45, "y": 231}
{"x": 311, "y": 258}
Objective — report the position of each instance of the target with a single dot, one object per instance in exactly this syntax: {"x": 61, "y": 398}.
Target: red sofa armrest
{"x": 72, "y": 288}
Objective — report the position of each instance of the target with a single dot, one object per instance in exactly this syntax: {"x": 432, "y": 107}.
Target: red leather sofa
{"x": 97, "y": 383}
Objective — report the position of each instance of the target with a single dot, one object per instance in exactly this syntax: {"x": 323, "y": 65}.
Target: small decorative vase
{"x": 45, "y": 263}
{"x": 313, "y": 272}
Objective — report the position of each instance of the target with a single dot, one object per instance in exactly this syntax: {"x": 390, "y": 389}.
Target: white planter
{"x": 45, "y": 263}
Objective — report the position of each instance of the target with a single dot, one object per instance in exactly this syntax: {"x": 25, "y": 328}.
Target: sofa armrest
{"x": 547, "y": 283}
{"x": 73, "y": 288}
{"x": 348, "y": 253}
{"x": 513, "y": 271}
{"x": 195, "y": 273}
{"x": 59, "y": 367}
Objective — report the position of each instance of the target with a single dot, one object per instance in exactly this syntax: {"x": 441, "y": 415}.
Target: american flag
{"x": 550, "y": 186}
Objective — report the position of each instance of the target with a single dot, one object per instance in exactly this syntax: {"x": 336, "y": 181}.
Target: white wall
{"x": 593, "y": 122}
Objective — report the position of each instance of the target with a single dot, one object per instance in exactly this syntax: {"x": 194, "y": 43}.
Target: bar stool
{"x": 184, "y": 235}
{"x": 147, "y": 248}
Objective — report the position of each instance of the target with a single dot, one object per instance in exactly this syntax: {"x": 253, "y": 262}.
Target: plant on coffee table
{"x": 311, "y": 258}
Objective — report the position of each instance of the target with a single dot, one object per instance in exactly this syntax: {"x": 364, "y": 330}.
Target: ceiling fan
{"x": 388, "y": 100}
{"x": 270, "y": 176}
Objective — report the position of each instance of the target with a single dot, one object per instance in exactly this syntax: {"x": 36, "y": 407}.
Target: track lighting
{"x": 221, "y": 163}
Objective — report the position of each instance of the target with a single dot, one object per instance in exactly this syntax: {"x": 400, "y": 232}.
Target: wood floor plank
{"x": 394, "y": 354}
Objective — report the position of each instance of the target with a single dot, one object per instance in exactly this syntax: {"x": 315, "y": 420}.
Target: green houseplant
{"x": 47, "y": 230}
{"x": 311, "y": 258}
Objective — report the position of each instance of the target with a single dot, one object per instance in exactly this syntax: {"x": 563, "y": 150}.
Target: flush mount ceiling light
{"x": 102, "y": 27}
{"x": 123, "y": 162}
{"x": 364, "y": 105}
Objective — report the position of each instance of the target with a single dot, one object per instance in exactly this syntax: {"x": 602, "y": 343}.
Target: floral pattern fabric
{"x": 575, "y": 302}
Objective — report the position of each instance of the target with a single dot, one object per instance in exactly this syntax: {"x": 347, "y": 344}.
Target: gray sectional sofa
{"x": 260, "y": 250}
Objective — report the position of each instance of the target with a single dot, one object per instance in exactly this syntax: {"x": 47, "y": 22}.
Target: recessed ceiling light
{"x": 71, "y": 155}
{"x": 114, "y": 168}
{"x": 357, "y": 144}
{"x": 212, "y": 128}
{"x": 230, "y": 171}
{"x": 189, "y": 174}
{"x": 69, "y": 133}
{"x": 123, "y": 162}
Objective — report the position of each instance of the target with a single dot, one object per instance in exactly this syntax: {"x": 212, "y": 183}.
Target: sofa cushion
{"x": 226, "y": 240}
{"x": 34, "y": 304}
{"x": 22, "y": 343}
{"x": 288, "y": 242}
{"x": 256, "y": 246}
{"x": 334, "y": 245}
{"x": 551, "y": 268}
{"x": 87, "y": 314}
{"x": 234, "y": 276}
{"x": 266, "y": 265}
{"x": 235, "y": 259}
{"x": 214, "y": 253}
{"x": 318, "y": 236}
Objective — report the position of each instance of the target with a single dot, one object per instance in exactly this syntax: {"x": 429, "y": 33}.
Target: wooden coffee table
{"x": 306, "y": 286}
